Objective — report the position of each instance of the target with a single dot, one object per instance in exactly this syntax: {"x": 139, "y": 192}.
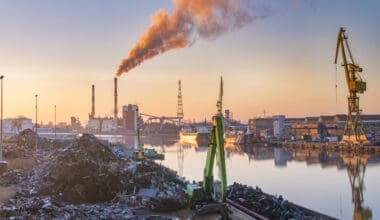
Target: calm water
{"x": 340, "y": 185}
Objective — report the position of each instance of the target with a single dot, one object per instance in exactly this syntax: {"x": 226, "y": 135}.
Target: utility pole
{"x": 3, "y": 164}
{"x": 36, "y": 123}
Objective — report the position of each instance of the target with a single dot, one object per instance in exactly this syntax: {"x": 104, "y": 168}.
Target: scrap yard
{"x": 189, "y": 109}
{"x": 87, "y": 180}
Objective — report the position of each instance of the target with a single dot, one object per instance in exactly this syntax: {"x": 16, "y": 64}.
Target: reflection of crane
{"x": 353, "y": 130}
{"x": 356, "y": 169}
{"x": 180, "y": 106}
{"x": 180, "y": 158}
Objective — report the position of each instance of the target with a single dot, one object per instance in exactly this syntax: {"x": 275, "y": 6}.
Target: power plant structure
{"x": 103, "y": 124}
{"x": 92, "y": 114}
{"x": 115, "y": 100}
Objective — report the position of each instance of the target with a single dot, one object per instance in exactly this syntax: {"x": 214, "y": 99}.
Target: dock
{"x": 328, "y": 146}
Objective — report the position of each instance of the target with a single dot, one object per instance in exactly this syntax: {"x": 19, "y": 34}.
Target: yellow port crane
{"x": 353, "y": 130}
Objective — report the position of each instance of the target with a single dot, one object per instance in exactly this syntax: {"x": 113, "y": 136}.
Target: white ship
{"x": 199, "y": 135}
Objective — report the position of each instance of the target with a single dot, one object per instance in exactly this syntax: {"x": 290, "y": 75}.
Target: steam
{"x": 191, "y": 19}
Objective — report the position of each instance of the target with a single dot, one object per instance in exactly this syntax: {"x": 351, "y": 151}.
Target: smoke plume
{"x": 190, "y": 20}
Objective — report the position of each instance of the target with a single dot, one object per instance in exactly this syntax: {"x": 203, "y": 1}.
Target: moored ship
{"x": 199, "y": 134}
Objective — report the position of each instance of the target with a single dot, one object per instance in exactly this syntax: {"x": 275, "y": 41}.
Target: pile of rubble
{"x": 266, "y": 205}
{"x": 45, "y": 208}
{"x": 88, "y": 172}
{"x": 24, "y": 144}
{"x": 12, "y": 177}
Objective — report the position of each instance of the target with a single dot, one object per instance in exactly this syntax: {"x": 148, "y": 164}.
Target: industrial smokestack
{"x": 92, "y": 102}
{"x": 189, "y": 21}
{"x": 115, "y": 101}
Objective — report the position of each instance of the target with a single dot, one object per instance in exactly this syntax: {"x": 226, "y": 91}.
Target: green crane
{"x": 210, "y": 195}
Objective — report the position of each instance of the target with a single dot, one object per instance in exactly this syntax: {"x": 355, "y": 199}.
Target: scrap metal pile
{"x": 87, "y": 180}
{"x": 266, "y": 205}
{"x": 24, "y": 144}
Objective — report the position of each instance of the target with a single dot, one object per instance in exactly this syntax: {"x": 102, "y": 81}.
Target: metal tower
{"x": 180, "y": 106}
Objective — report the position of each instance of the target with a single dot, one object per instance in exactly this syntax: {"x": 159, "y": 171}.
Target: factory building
{"x": 101, "y": 125}
{"x": 278, "y": 125}
{"x": 16, "y": 125}
{"x": 130, "y": 118}
{"x": 93, "y": 125}
{"x": 261, "y": 127}
{"x": 319, "y": 128}
{"x": 108, "y": 125}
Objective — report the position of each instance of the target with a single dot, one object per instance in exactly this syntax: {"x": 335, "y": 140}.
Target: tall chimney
{"x": 93, "y": 102}
{"x": 115, "y": 100}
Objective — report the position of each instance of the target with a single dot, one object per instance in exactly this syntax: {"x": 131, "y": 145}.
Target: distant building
{"x": 16, "y": 125}
{"x": 325, "y": 127}
{"x": 278, "y": 125}
{"x": 261, "y": 127}
{"x": 75, "y": 124}
{"x": 93, "y": 125}
{"x": 108, "y": 125}
{"x": 130, "y": 118}
{"x": 101, "y": 125}
{"x": 45, "y": 130}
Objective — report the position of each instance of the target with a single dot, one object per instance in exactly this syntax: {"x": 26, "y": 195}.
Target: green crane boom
{"x": 216, "y": 146}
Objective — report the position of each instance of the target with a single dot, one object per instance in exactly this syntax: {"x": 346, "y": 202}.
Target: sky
{"x": 281, "y": 64}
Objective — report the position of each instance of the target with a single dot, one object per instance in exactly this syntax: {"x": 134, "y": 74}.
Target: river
{"x": 341, "y": 185}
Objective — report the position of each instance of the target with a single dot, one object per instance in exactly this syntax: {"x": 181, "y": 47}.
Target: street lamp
{"x": 55, "y": 123}
{"x": 3, "y": 164}
{"x": 1, "y": 123}
{"x": 36, "y": 123}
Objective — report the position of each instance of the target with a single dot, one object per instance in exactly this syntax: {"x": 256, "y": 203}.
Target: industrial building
{"x": 278, "y": 125}
{"x": 130, "y": 118}
{"x": 16, "y": 125}
{"x": 102, "y": 124}
{"x": 316, "y": 128}
{"x": 261, "y": 127}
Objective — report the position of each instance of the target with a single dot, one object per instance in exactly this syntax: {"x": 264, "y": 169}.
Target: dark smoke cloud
{"x": 190, "y": 20}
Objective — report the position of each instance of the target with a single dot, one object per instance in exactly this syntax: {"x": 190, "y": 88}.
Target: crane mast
{"x": 219, "y": 103}
{"x": 353, "y": 130}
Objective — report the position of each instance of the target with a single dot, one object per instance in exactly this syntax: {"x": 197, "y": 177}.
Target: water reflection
{"x": 134, "y": 142}
{"x": 356, "y": 166}
{"x": 253, "y": 165}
